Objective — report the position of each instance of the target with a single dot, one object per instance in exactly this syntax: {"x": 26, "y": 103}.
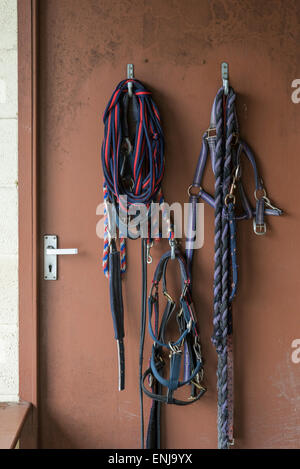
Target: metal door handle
{"x": 58, "y": 252}
{"x": 51, "y": 251}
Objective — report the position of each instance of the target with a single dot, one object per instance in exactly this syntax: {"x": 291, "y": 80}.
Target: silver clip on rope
{"x": 149, "y": 257}
{"x": 111, "y": 227}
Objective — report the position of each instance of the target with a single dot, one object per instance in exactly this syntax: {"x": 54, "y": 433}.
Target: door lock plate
{"x": 50, "y": 261}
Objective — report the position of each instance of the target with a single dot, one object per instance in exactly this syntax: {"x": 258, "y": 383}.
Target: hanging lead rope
{"x": 226, "y": 149}
{"x": 133, "y": 168}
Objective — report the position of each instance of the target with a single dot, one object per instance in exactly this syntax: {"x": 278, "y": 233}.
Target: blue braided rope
{"x": 225, "y": 132}
{"x": 222, "y": 372}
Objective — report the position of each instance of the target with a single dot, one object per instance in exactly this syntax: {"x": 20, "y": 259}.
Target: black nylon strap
{"x": 116, "y": 301}
{"x": 117, "y": 311}
{"x": 142, "y": 331}
{"x": 165, "y": 399}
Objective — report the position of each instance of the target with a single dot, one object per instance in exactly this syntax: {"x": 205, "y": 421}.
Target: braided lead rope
{"x": 106, "y": 235}
{"x": 106, "y": 240}
{"x": 229, "y": 244}
{"x": 222, "y": 372}
{"x": 218, "y": 219}
{"x": 222, "y": 319}
{"x": 218, "y": 321}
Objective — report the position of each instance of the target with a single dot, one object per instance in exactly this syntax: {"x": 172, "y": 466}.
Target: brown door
{"x": 177, "y": 48}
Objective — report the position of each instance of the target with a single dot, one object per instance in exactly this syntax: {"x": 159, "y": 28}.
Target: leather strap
{"x": 117, "y": 311}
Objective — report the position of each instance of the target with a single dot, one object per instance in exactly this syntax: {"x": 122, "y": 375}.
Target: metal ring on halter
{"x": 263, "y": 196}
{"x": 195, "y": 195}
{"x": 228, "y": 198}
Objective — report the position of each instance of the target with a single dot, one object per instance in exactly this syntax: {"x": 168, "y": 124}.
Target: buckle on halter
{"x": 211, "y": 133}
{"x": 259, "y": 229}
{"x": 174, "y": 348}
{"x": 168, "y": 297}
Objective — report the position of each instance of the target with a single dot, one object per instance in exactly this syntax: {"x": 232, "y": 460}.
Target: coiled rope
{"x": 132, "y": 156}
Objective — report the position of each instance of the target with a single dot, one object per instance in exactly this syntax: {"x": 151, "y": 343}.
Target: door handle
{"x": 51, "y": 251}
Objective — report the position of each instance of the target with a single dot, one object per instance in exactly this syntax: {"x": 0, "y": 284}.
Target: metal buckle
{"x": 213, "y": 131}
{"x": 168, "y": 296}
{"x": 260, "y": 229}
{"x": 174, "y": 348}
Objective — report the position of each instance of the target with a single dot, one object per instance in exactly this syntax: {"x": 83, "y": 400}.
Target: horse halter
{"x": 188, "y": 338}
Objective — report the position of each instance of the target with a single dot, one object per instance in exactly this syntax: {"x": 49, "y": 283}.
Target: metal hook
{"x": 172, "y": 243}
{"x": 149, "y": 257}
{"x": 225, "y": 77}
{"x": 130, "y": 75}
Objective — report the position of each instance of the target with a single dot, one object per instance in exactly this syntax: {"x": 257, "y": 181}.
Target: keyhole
{"x": 50, "y": 268}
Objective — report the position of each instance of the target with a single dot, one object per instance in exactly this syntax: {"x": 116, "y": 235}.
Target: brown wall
{"x": 177, "y": 47}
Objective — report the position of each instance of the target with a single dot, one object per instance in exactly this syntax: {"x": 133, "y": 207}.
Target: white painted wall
{"x": 9, "y": 381}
